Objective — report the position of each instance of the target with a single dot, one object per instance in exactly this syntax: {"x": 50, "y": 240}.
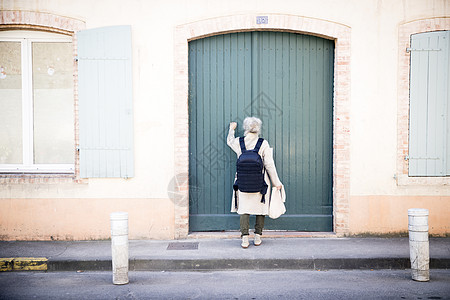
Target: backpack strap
{"x": 236, "y": 188}
{"x": 264, "y": 190}
{"x": 241, "y": 142}
{"x": 258, "y": 144}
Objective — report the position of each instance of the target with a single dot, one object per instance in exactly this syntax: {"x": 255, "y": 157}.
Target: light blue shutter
{"x": 105, "y": 102}
{"x": 428, "y": 104}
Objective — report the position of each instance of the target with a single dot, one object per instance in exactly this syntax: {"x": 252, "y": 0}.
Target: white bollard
{"x": 119, "y": 247}
{"x": 419, "y": 250}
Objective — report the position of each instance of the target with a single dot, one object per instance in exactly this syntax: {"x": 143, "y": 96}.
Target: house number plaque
{"x": 262, "y": 20}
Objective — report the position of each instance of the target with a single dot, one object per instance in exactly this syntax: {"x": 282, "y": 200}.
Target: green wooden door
{"x": 285, "y": 79}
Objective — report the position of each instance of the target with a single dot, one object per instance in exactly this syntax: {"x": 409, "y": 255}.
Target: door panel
{"x": 285, "y": 79}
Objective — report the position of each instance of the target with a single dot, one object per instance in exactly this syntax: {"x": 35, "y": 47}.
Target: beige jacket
{"x": 250, "y": 203}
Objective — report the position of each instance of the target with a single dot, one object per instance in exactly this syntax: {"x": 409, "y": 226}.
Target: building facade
{"x": 124, "y": 106}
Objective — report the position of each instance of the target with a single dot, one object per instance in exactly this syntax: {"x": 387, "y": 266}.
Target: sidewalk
{"x": 226, "y": 254}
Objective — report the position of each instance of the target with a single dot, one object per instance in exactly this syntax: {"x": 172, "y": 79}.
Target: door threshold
{"x": 266, "y": 234}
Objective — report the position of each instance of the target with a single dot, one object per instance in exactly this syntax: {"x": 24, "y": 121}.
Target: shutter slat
{"x": 428, "y": 104}
{"x": 437, "y": 101}
{"x": 446, "y": 93}
{"x": 105, "y": 102}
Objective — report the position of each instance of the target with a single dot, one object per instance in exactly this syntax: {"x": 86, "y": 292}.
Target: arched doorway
{"x": 286, "y": 79}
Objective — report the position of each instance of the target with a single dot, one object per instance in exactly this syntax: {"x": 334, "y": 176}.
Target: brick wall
{"x": 236, "y": 23}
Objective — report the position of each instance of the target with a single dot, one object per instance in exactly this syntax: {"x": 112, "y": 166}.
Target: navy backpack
{"x": 250, "y": 171}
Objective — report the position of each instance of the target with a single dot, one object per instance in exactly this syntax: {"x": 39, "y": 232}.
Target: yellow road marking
{"x": 23, "y": 264}
{"x": 6, "y": 264}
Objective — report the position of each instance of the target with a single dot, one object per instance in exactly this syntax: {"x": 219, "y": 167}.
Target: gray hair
{"x": 252, "y": 124}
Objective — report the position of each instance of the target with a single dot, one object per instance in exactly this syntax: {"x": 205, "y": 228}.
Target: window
{"x": 429, "y": 128}
{"x": 36, "y": 101}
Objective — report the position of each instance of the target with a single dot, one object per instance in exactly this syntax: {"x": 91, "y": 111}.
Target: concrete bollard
{"x": 419, "y": 250}
{"x": 119, "y": 247}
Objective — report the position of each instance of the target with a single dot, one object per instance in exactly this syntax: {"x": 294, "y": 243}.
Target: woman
{"x": 250, "y": 203}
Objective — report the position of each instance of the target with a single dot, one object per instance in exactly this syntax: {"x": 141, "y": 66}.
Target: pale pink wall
{"x": 83, "y": 219}
{"x": 389, "y": 214}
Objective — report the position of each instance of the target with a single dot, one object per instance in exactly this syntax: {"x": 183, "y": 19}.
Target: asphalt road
{"x": 333, "y": 284}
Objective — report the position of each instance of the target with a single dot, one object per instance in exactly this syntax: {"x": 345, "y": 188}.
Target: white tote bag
{"x": 276, "y": 205}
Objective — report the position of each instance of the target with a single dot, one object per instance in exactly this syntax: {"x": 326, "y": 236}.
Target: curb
{"x": 23, "y": 264}
{"x": 54, "y": 265}
{"x": 245, "y": 264}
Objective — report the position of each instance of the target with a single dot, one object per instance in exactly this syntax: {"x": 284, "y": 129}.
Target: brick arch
{"x": 30, "y": 20}
{"x": 341, "y": 100}
{"x": 12, "y": 19}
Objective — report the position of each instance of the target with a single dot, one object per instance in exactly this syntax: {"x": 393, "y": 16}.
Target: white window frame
{"x": 26, "y": 38}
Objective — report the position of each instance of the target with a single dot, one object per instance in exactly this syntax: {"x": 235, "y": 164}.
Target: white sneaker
{"x": 257, "y": 241}
{"x": 245, "y": 242}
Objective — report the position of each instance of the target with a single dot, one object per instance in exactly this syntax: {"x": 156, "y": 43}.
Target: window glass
{"x": 53, "y": 103}
{"x": 10, "y": 103}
